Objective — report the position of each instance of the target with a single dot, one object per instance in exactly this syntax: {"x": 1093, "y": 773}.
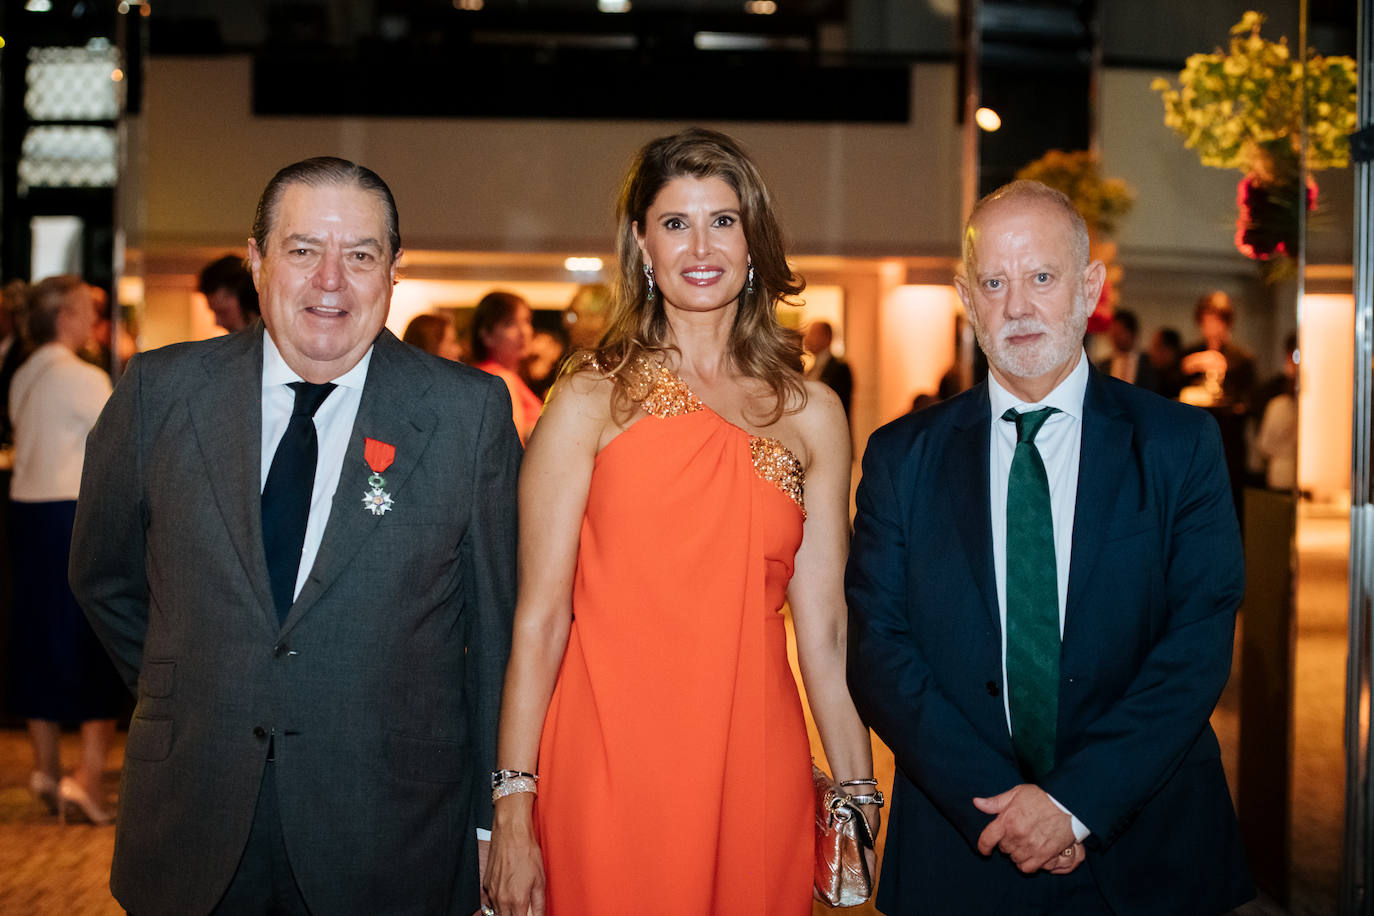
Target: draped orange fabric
{"x": 674, "y": 761}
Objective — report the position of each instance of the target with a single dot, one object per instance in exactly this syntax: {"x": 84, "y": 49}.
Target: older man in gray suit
{"x": 299, "y": 548}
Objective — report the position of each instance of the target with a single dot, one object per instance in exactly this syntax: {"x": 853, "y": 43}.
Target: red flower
{"x": 1266, "y": 220}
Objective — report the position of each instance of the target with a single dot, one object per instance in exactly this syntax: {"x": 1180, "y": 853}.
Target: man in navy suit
{"x": 1125, "y": 809}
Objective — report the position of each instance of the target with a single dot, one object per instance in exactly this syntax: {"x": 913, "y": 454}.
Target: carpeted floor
{"x": 47, "y": 869}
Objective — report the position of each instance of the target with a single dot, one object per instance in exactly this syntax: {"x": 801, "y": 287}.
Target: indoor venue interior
{"x": 137, "y": 136}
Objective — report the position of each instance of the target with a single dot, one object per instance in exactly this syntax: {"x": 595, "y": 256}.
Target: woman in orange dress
{"x": 683, "y": 482}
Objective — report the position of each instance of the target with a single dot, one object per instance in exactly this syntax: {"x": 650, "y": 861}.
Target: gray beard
{"x": 1058, "y": 346}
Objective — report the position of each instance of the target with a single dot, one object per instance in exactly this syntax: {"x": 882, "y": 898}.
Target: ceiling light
{"x": 471, "y": 6}
{"x": 38, "y": 6}
{"x": 987, "y": 119}
{"x": 582, "y": 265}
{"x": 761, "y": 7}
{"x": 613, "y": 6}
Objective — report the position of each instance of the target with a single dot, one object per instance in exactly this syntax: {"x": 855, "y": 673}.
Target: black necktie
{"x": 286, "y": 498}
{"x": 1032, "y": 601}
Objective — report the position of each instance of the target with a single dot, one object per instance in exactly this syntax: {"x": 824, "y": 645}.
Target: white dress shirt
{"x": 333, "y": 427}
{"x": 1059, "y": 442}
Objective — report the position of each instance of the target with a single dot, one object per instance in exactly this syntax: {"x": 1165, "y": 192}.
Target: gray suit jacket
{"x": 380, "y": 690}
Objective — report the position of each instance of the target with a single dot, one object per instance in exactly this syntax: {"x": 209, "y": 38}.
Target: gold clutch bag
{"x": 841, "y": 874}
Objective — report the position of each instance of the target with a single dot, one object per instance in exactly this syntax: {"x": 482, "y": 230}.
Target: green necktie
{"x": 1032, "y": 601}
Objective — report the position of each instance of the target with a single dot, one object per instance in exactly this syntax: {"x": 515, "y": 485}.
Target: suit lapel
{"x": 1103, "y": 455}
{"x": 226, "y": 413}
{"x": 392, "y": 410}
{"x": 965, "y": 477}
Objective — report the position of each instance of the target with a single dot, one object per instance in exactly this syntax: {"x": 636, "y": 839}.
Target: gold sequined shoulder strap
{"x": 659, "y": 391}
{"x": 775, "y": 463}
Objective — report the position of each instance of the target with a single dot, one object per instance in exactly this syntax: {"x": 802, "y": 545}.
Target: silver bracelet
{"x": 501, "y": 776}
{"x": 513, "y": 785}
{"x": 875, "y": 799}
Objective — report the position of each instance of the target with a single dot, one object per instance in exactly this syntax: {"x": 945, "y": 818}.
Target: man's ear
{"x": 1094, "y": 276}
{"x": 254, "y": 262}
{"x": 961, "y": 287}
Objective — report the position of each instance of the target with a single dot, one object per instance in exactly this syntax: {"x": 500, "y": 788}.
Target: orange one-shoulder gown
{"x": 674, "y": 761}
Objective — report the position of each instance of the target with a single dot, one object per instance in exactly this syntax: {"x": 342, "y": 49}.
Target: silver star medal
{"x": 377, "y": 501}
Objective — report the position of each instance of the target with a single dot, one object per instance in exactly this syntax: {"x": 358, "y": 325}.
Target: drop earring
{"x": 749, "y": 280}
{"x": 649, "y": 275}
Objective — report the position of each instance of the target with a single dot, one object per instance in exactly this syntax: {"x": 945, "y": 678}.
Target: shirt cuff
{"x": 483, "y": 834}
{"x": 1080, "y": 829}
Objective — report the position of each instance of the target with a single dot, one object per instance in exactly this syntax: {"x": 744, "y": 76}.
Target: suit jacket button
{"x": 993, "y": 689}
{"x": 280, "y": 650}
{"x": 259, "y": 732}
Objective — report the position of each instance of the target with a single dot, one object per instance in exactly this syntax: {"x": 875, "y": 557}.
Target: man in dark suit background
{"x": 314, "y": 613}
{"x": 1045, "y": 677}
{"x": 1127, "y": 362}
{"x": 826, "y": 367}
{"x": 1218, "y": 357}
{"x": 227, "y": 286}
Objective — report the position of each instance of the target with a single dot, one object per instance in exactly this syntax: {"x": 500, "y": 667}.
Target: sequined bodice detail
{"x": 775, "y": 463}
{"x": 667, "y": 395}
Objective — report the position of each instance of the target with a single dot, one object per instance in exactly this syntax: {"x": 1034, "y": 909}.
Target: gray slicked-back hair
{"x": 319, "y": 172}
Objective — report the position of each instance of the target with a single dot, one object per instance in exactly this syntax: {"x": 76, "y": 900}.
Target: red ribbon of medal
{"x": 378, "y": 454}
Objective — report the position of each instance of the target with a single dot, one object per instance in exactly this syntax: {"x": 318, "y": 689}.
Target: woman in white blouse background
{"x": 60, "y": 672}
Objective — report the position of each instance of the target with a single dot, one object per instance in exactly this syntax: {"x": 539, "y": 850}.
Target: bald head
{"x": 1028, "y": 192}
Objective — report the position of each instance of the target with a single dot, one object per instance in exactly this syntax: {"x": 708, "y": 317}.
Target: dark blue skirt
{"x": 58, "y": 669}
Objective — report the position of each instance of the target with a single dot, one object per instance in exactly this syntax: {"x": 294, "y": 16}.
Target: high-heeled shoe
{"x": 44, "y": 789}
{"x": 71, "y": 795}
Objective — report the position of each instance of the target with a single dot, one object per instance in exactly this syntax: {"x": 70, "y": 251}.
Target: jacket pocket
{"x": 157, "y": 677}
{"x": 149, "y": 738}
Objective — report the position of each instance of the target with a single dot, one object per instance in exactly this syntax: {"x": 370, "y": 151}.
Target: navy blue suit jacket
{"x": 1155, "y": 577}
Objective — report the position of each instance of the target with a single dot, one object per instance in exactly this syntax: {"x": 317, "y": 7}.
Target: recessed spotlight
{"x": 987, "y": 119}
{"x": 613, "y": 6}
{"x": 760, "y": 7}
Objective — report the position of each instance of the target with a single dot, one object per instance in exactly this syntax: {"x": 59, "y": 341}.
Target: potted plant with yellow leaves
{"x": 1243, "y": 109}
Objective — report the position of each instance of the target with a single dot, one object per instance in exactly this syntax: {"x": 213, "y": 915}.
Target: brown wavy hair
{"x": 758, "y": 346}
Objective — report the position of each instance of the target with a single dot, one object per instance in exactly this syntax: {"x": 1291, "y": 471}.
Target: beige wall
{"x": 533, "y": 185}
